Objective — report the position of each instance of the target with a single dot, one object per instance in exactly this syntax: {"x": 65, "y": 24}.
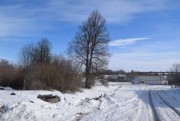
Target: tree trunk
{"x": 87, "y": 79}
{"x": 87, "y": 67}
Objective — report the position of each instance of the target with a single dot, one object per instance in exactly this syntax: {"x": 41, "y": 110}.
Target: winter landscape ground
{"x": 118, "y": 102}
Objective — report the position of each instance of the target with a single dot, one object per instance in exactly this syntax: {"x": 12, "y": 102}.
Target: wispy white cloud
{"x": 16, "y": 27}
{"x": 24, "y": 18}
{"x": 14, "y": 22}
{"x": 148, "y": 56}
{"x": 116, "y": 11}
{"x": 128, "y": 41}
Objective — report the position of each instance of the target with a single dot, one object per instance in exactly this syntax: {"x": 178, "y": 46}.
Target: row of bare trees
{"x": 43, "y": 70}
{"x": 174, "y": 75}
{"x": 39, "y": 69}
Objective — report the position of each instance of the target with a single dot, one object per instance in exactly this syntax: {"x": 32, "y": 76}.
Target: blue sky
{"x": 145, "y": 34}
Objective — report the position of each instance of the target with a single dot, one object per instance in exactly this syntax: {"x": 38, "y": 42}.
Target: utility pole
{"x": 176, "y": 76}
{"x": 160, "y": 76}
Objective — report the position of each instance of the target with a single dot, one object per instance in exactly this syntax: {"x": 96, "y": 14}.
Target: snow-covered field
{"x": 118, "y": 102}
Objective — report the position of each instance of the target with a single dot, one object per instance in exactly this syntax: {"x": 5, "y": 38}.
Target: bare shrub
{"x": 69, "y": 77}
{"x": 60, "y": 74}
{"x": 10, "y": 75}
{"x": 32, "y": 78}
{"x": 7, "y": 72}
{"x": 18, "y": 80}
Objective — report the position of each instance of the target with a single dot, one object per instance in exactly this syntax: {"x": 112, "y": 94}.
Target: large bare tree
{"x": 90, "y": 45}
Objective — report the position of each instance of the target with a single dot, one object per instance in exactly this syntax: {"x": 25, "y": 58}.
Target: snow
{"x": 118, "y": 102}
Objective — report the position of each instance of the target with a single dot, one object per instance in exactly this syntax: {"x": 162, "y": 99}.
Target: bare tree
{"x": 90, "y": 45}
{"x": 42, "y": 53}
{"x": 26, "y": 55}
{"x": 174, "y": 76}
{"x": 32, "y": 55}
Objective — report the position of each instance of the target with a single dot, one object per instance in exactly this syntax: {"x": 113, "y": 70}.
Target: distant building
{"x": 149, "y": 80}
{"x": 116, "y": 78}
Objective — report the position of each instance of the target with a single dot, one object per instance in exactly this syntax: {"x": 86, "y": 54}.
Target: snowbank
{"x": 118, "y": 102}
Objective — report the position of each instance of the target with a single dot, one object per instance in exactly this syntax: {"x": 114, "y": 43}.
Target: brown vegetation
{"x": 40, "y": 70}
{"x": 10, "y": 75}
{"x": 60, "y": 74}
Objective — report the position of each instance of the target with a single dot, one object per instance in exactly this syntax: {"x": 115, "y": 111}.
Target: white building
{"x": 149, "y": 80}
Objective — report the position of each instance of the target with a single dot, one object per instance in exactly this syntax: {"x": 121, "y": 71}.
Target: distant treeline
{"x": 172, "y": 76}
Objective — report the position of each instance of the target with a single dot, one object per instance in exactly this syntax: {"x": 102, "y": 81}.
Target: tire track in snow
{"x": 167, "y": 103}
{"x": 146, "y": 110}
{"x": 163, "y": 111}
{"x": 173, "y": 103}
{"x": 155, "y": 115}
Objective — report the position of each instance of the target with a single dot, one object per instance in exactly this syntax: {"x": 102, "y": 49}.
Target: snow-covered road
{"x": 146, "y": 111}
{"x": 118, "y": 102}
